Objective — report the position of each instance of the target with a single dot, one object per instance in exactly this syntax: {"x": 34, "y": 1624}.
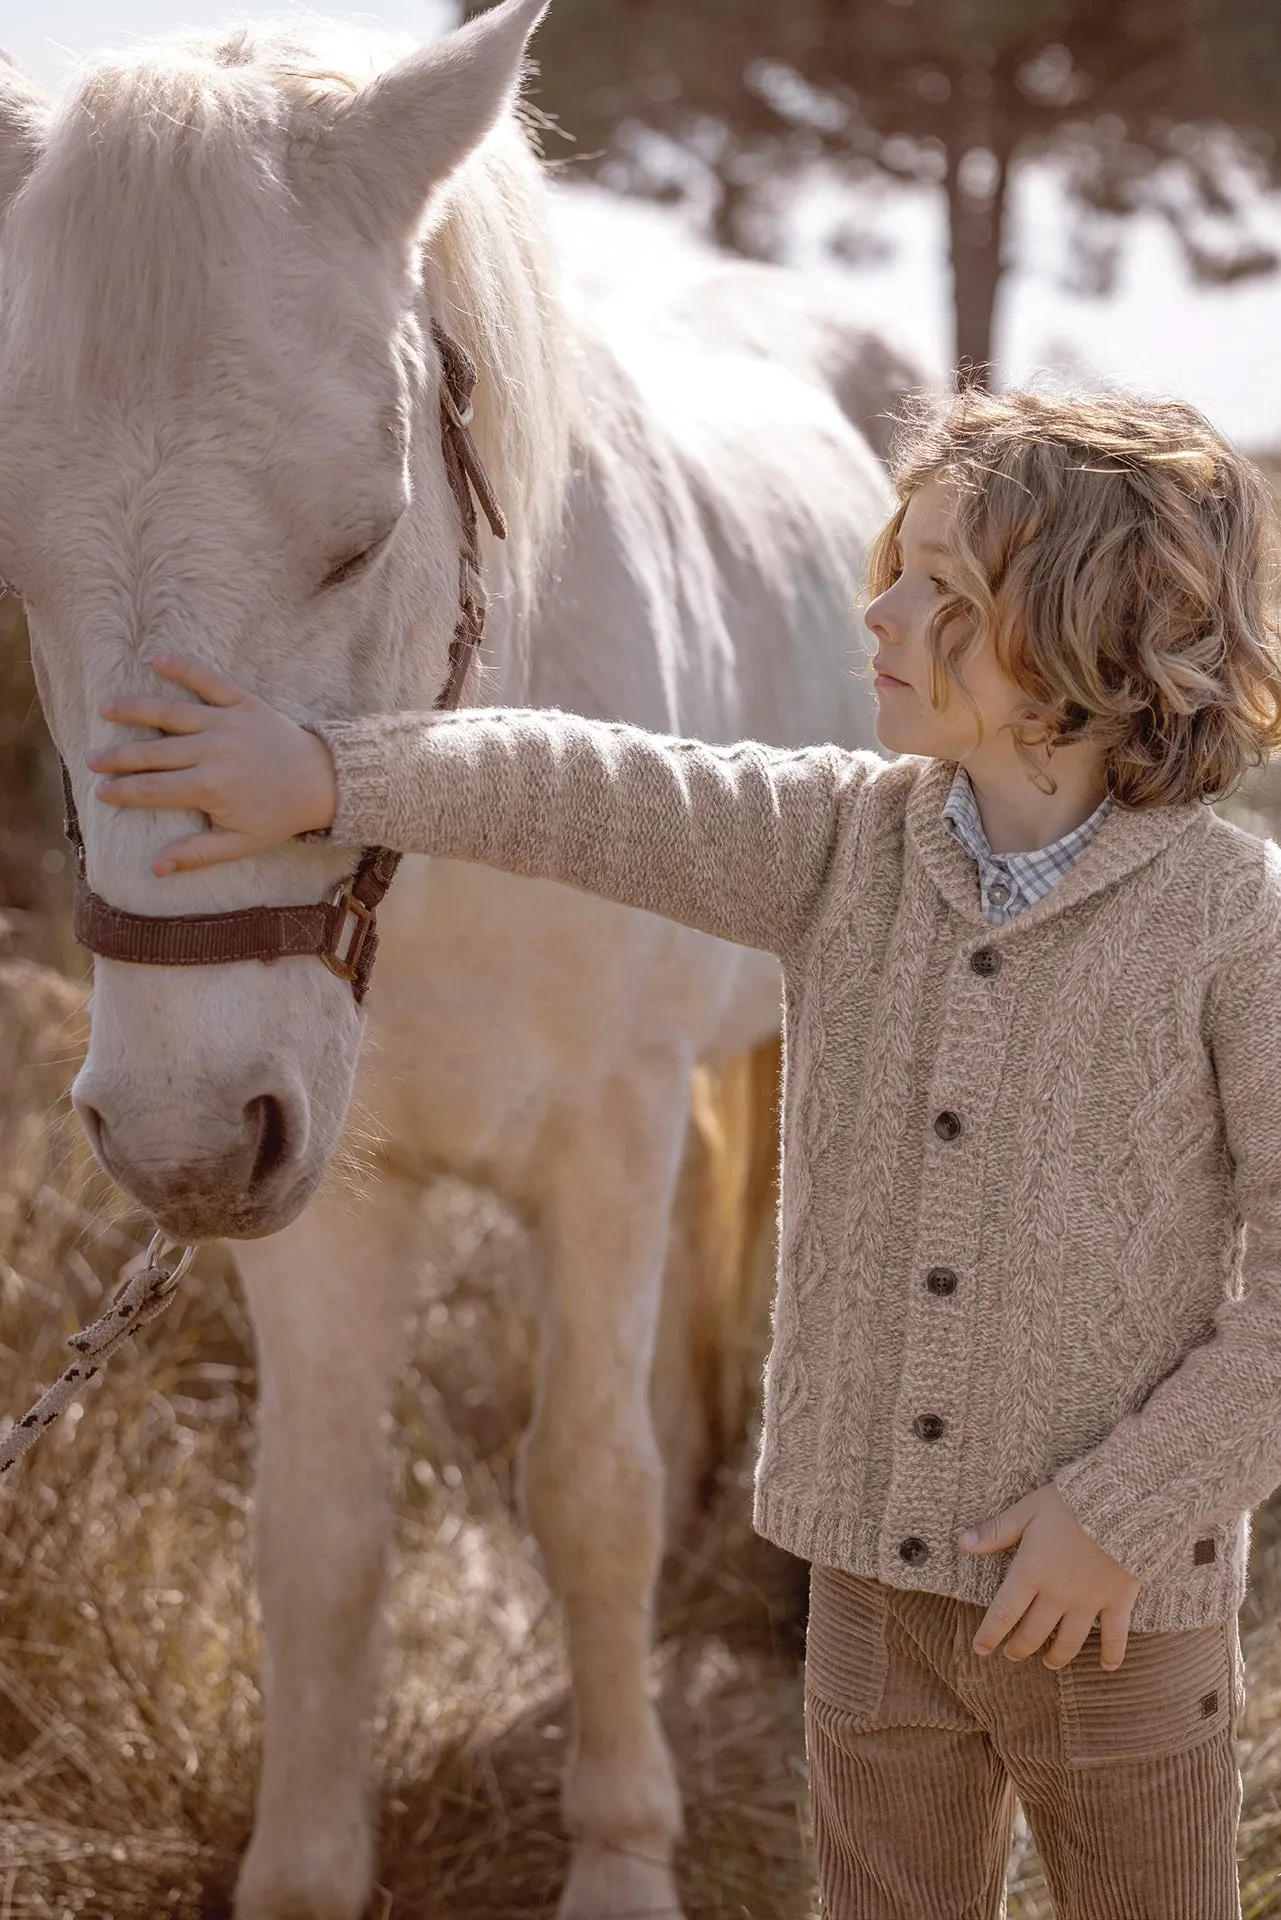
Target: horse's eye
{"x": 355, "y": 563}
{"x": 347, "y": 568}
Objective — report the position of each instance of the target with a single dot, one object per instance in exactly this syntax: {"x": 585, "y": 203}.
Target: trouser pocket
{"x": 1171, "y": 1692}
{"x": 846, "y": 1657}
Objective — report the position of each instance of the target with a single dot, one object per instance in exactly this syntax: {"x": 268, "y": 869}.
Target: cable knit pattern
{"x": 1031, "y": 1207}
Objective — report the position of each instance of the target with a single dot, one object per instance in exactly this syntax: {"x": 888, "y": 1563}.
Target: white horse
{"x": 219, "y": 434}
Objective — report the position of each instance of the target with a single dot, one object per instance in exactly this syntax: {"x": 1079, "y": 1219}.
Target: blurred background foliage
{"x": 34, "y": 863}
{"x": 1168, "y": 106}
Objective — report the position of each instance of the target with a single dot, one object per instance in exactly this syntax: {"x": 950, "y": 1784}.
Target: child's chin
{"x": 896, "y": 739}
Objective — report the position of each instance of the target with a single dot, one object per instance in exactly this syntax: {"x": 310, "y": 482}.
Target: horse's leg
{"x": 328, "y": 1298}
{"x": 593, "y": 1478}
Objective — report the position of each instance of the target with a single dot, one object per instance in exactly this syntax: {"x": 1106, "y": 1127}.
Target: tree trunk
{"x": 976, "y": 236}
{"x": 738, "y": 225}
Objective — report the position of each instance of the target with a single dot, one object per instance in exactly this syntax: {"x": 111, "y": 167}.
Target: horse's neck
{"x": 504, "y": 678}
{"x": 489, "y": 275}
{"x": 557, "y": 643}
{"x": 625, "y": 606}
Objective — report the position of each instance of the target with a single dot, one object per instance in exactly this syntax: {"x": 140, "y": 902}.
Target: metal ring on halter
{"x": 349, "y": 913}
{"x": 160, "y": 1243}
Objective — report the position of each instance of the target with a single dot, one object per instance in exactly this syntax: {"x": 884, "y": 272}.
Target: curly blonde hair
{"x": 1123, "y": 558}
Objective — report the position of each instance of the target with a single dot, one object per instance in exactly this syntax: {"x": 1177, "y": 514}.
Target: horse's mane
{"x": 163, "y": 162}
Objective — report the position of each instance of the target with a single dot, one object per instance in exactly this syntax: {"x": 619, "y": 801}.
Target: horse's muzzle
{"x": 247, "y": 1178}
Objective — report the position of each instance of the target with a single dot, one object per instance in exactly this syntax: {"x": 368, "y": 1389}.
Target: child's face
{"x": 905, "y": 721}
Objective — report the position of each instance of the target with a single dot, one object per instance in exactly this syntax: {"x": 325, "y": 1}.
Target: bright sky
{"x": 1218, "y": 349}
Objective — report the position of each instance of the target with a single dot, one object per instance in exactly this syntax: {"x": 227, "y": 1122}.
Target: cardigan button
{"x": 942, "y": 1281}
{"x": 947, "y": 1125}
{"x": 928, "y": 1426}
{"x": 985, "y": 961}
{"x": 914, "y": 1551}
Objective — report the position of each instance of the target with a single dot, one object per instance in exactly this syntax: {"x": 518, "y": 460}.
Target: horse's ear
{"x": 24, "y": 116}
{"x": 407, "y": 131}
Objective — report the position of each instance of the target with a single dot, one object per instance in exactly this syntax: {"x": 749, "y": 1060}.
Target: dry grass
{"x": 128, "y": 1644}
{"x": 128, "y": 1707}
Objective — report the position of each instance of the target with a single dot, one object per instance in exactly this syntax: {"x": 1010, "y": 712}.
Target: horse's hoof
{"x": 314, "y": 1881}
{"x": 608, "y": 1883}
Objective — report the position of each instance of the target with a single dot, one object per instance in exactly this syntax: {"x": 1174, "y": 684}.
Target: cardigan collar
{"x": 1126, "y": 840}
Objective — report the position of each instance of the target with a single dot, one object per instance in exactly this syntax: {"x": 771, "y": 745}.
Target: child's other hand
{"x": 1059, "y": 1577}
{"x": 260, "y": 778}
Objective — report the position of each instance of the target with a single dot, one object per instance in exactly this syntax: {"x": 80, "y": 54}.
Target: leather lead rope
{"x": 341, "y": 931}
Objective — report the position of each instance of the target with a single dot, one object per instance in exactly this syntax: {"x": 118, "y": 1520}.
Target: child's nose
{"x": 875, "y": 617}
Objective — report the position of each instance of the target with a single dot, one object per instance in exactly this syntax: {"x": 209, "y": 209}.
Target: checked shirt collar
{"x": 1011, "y": 882}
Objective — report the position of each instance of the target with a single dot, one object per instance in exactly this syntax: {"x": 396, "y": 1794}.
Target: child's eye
{"x": 942, "y": 585}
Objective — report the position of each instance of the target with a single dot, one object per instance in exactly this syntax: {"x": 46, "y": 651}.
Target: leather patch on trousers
{"x": 1170, "y": 1692}
{"x": 846, "y": 1657}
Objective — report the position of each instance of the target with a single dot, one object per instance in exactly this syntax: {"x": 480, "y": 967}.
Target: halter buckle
{"x": 347, "y": 909}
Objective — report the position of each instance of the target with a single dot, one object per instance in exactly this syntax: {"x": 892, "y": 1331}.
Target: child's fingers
{"x": 1002, "y": 1531}
{"x": 1034, "y": 1629}
{"x": 198, "y": 850}
{"x": 1070, "y": 1638}
{"x": 144, "y": 756}
{"x": 167, "y": 716}
{"x": 182, "y": 792}
{"x": 1013, "y": 1598}
{"x": 1114, "y": 1631}
{"x": 209, "y": 686}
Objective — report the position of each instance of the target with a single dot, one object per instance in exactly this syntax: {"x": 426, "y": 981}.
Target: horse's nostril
{"x": 266, "y": 1118}
{"x": 227, "y": 1165}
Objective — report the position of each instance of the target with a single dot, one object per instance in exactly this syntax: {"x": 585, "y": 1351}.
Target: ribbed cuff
{"x": 1115, "y": 1520}
{"x": 362, "y": 757}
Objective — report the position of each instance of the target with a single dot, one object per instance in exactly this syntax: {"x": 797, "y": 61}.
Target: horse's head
{"x": 219, "y": 435}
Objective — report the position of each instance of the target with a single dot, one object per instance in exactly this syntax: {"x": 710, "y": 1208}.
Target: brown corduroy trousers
{"x": 918, "y": 1746}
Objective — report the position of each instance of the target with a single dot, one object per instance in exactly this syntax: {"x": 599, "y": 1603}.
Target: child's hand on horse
{"x": 258, "y": 776}
{"x": 1059, "y": 1578}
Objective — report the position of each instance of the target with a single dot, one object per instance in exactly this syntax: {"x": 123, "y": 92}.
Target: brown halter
{"x": 343, "y": 930}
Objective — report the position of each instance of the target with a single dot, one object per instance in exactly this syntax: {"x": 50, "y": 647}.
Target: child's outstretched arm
{"x": 735, "y": 840}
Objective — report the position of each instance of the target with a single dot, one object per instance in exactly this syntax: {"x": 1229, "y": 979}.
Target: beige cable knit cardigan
{"x": 1031, "y": 1198}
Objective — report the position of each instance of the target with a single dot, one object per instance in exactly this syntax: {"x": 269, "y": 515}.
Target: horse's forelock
{"x": 167, "y": 169}
{"x": 161, "y": 174}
